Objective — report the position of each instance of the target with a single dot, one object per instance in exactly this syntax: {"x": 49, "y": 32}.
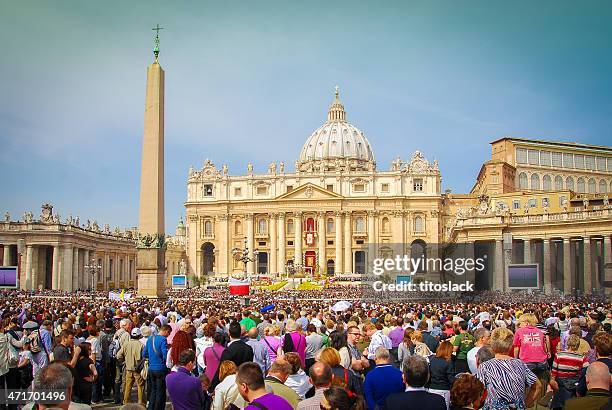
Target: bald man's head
{"x": 598, "y": 376}
{"x": 253, "y": 333}
{"x": 320, "y": 375}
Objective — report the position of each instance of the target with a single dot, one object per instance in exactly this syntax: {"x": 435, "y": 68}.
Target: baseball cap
{"x": 136, "y": 332}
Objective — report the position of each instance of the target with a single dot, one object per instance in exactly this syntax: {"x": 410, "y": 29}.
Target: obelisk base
{"x": 151, "y": 273}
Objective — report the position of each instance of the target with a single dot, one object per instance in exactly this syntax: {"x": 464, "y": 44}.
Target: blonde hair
{"x": 573, "y": 343}
{"x": 529, "y": 318}
{"x": 272, "y": 330}
{"x": 501, "y": 340}
{"x": 226, "y": 368}
{"x": 330, "y": 356}
{"x": 416, "y": 336}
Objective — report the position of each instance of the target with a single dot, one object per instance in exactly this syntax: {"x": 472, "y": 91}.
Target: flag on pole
{"x": 239, "y": 287}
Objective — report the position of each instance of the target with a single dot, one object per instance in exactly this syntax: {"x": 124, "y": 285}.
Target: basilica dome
{"x": 336, "y": 143}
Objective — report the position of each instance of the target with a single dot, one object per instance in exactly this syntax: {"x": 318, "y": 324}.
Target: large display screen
{"x": 8, "y": 277}
{"x": 179, "y": 281}
{"x": 523, "y": 276}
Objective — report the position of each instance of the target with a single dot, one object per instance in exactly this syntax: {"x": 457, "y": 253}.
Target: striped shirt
{"x": 505, "y": 381}
{"x": 568, "y": 364}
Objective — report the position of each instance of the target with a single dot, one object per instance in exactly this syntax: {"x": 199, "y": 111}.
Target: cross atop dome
{"x": 336, "y": 111}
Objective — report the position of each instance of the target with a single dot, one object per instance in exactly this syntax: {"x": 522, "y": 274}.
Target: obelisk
{"x": 150, "y": 265}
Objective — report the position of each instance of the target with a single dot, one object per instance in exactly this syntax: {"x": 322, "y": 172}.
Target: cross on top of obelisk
{"x": 156, "y": 48}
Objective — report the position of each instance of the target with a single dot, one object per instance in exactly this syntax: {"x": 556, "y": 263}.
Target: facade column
{"x": 35, "y": 267}
{"x": 567, "y": 267}
{"x": 527, "y": 251}
{"x": 322, "y": 237}
{"x": 372, "y": 248}
{"x": 272, "y": 264}
{"x": 7, "y": 256}
{"x": 250, "y": 243}
{"x": 546, "y": 266}
{"x": 338, "y": 266}
{"x": 498, "y": 269}
{"x": 66, "y": 276}
{"x": 55, "y": 273}
{"x": 297, "y": 240}
{"x": 282, "y": 255}
{"x": 74, "y": 283}
{"x": 27, "y": 284}
{"x": 224, "y": 245}
{"x": 469, "y": 255}
{"x": 348, "y": 244}
{"x": 588, "y": 278}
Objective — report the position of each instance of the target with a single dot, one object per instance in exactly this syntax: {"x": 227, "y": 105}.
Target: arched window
{"x": 569, "y": 183}
{"x": 419, "y": 226}
{"x": 547, "y": 183}
{"x": 330, "y": 225}
{"x": 262, "y": 226}
{"x": 418, "y": 253}
{"x": 558, "y": 183}
{"x": 592, "y": 186}
{"x": 237, "y": 228}
{"x": 580, "y": 186}
{"x": 603, "y": 187}
{"x": 208, "y": 228}
{"x": 310, "y": 225}
{"x": 290, "y": 227}
{"x": 385, "y": 225}
{"x": 522, "y": 180}
{"x": 359, "y": 224}
{"x": 535, "y": 182}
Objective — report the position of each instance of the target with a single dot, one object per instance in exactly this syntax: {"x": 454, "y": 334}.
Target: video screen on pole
{"x": 179, "y": 281}
{"x": 523, "y": 276}
{"x": 403, "y": 279}
{"x": 8, "y": 277}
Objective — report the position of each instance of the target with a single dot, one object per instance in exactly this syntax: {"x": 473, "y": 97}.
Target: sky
{"x": 250, "y": 81}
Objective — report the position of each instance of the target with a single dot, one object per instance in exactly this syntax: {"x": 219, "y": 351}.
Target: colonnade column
{"x": 86, "y": 279}
{"x": 224, "y": 246}
{"x": 66, "y": 276}
{"x": 297, "y": 228}
{"x": 7, "y": 256}
{"x": 546, "y": 266}
{"x": 469, "y": 255}
{"x": 250, "y": 243}
{"x": 55, "y": 273}
{"x": 272, "y": 264}
{"x": 28, "y": 269}
{"x": 498, "y": 270}
{"x": 281, "y": 243}
{"x": 322, "y": 239}
{"x": 338, "y": 266}
{"x": 607, "y": 251}
{"x": 527, "y": 251}
{"x": 588, "y": 281}
{"x": 567, "y": 267}
{"x": 348, "y": 244}
{"x": 74, "y": 283}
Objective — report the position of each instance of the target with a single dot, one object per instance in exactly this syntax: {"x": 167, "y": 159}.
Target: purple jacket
{"x": 185, "y": 390}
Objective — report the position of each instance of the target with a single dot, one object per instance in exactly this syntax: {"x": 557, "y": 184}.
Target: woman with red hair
{"x": 182, "y": 341}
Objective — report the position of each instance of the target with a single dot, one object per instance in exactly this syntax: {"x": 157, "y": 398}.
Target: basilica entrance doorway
{"x": 208, "y": 258}
{"x": 310, "y": 259}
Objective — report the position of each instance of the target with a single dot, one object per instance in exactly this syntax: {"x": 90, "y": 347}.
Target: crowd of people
{"x": 202, "y": 349}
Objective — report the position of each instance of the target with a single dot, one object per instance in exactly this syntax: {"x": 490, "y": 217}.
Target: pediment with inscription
{"x": 309, "y": 192}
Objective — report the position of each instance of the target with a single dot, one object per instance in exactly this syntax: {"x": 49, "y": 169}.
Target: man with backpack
{"x": 121, "y": 337}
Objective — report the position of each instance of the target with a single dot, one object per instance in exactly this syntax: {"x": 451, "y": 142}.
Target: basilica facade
{"x": 321, "y": 217}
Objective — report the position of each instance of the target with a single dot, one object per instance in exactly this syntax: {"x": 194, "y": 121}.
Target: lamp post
{"x": 242, "y": 255}
{"x": 93, "y": 267}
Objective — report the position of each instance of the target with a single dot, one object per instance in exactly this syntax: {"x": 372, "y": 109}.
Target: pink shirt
{"x": 531, "y": 342}
{"x": 175, "y": 328}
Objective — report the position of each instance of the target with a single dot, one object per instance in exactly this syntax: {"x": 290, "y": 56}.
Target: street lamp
{"x": 93, "y": 268}
{"x": 242, "y": 255}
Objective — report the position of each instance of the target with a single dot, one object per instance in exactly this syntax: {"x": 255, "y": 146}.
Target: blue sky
{"x": 249, "y": 81}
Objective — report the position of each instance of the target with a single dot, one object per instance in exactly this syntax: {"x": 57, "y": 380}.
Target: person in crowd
{"x": 275, "y": 381}
{"x": 602, "y": 342}
{"x": 420, "y": 348}
{"x": 481, "y": 338}
{"x": 9, "y": 357}
{"x": 406, "y": 348}
{"x": 294, "y": 341}
{"x": 598, "y": 393}
{"x": 531, "y": 345}
{"x": 382, "y": 381}
{"x": 416, "y": 396}
{"x": 397, "y": 336}
{"x": 341, "y": 376}
{"x": 462, "y": 344}
{"x": 226, "y": 392}
{"x": 261, "y": 326}
{"x": 506, "y": 377}
{"x": 96, "y": 356}
{"x": 442, "y": 371}
{"x": 65, "y": 350}
{"x": 377, "y": 339}
{"x": 203, "y": 340}
{"x": 321, "y": 379}
{"x": 212, "y": 355}
{"x": 336, "y": 398}
{"x": 56, "y": 377}
{"x": 338, "y": 340}
{"x": 156, "y": 351}
{"x": 252, "y": 388}
{"x": 467, "y": 393}
{"x": 236, "y": 351}
{"x": 297, "y": 380}
{"x": 314, "y": 343}
{"x": 181, "y": 342}
{"x": 85, "y": 374}
{"x": 271, "y": 340}
{"x": 261, "y": 356}
{"x": 484, "y": 354}
{"x": 121, "y": 337}
{"x": 184, "y": 389}
{"x": 131, "y": 355}
{"x": 359, "y": 361}
{"x": 431, "y": 342}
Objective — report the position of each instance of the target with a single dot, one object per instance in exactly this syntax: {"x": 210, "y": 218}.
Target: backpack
{"x": 35, "y": 342}
{"x": 113, "y": 347}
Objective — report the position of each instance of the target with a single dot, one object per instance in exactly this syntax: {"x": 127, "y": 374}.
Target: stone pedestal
{"x": 151, "y": 273}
